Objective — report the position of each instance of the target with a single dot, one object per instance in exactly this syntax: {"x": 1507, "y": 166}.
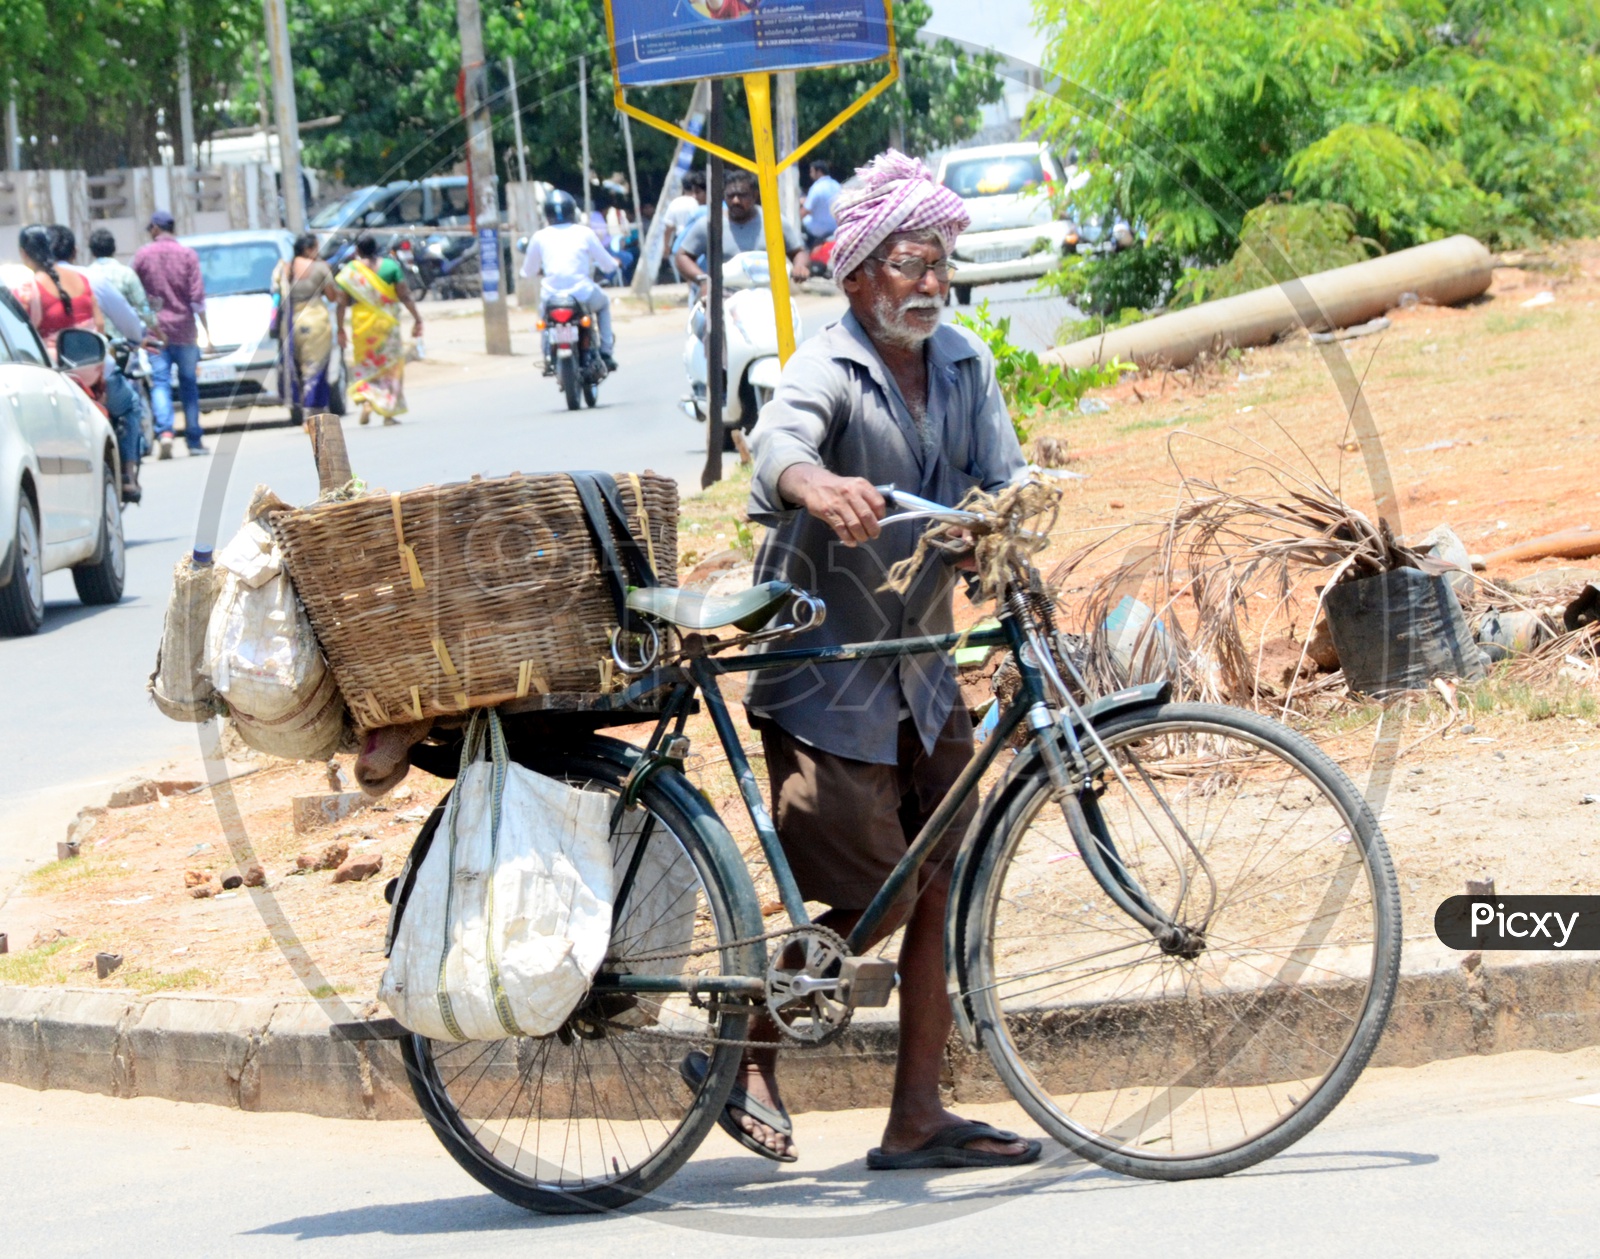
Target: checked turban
{"x": 892, "y": 193}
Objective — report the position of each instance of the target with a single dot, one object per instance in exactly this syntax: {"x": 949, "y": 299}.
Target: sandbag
{"x": 180, "y": 685}
{"x": 509, "y": 916}
{"x": 263, "y": 658}
{"x": 1400, "y": 630}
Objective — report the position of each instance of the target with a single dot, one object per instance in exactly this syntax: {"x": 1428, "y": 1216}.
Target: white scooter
{"x": 750, "y": 322}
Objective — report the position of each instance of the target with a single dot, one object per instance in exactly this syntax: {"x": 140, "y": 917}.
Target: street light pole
{"x": 294, "y": 203}
{"x": 480, "y": 165}
{"x": 516, "y": 121}
{"x": 583, "y": 133}
{"x": 185, "y": 100}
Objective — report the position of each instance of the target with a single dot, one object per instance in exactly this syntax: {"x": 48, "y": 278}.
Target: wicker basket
{"x": 453, "y": 597}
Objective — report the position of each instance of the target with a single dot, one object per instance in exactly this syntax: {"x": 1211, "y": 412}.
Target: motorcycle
{"x": 750, "y": 330}
{"x": 572, "y": 349}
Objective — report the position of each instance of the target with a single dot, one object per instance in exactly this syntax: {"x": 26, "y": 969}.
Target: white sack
{"x": 261, "y": 653}
{"x": 510, "y": 914}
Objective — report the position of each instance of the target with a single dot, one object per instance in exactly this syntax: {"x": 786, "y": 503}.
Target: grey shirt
{"x": 839, "y": 407}
{"x": 737, "y": 238}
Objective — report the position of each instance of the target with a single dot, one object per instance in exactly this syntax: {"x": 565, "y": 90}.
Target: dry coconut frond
{"x": 1199, "y": 594}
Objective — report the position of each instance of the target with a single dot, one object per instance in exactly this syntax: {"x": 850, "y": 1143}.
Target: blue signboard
{"x": 674, "y": 41}
{"x": 489, "y": 262}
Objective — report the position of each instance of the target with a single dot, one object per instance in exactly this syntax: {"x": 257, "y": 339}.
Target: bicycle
{"x": 1173, "y": 927}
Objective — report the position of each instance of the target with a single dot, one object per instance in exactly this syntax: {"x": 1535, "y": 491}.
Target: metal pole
{"x": 480, "y": 162}
{"x": 788, "y": 129}
{"x": 294, "y": 204}
{"x": 758, "y": 91}
{"x": 185, "y": 101}
{"x": 583, "y": 132}
{"x": 683, "y": 156}
{"x": 714, "y": 338}
{"x": 13, "y": 134}
{"x": 516, "y": 121}
{"x": 638, "y": 205}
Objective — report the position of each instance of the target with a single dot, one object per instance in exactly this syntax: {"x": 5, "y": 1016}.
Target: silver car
{"x": 60, "y": 495}
{"x": 239, "y": 368}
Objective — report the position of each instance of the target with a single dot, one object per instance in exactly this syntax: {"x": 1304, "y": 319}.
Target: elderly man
{"x": 861, "y": 754}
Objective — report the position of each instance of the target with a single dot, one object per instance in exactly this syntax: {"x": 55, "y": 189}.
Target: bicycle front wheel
{"x": 1222, "y": 1048}
{"x": 600, "y": 1114}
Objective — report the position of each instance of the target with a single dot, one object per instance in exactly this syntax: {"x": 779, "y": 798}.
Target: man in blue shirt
{"x": 819, "y": 222}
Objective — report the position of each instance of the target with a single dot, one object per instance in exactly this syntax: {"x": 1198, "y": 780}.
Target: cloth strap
{"x": 608, "y": 526}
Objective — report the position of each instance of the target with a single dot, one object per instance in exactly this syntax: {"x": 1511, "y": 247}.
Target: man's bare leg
{"x": 915, "y": 1111}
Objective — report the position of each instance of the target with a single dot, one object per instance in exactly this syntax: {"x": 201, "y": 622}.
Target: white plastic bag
{"x": 262, "y": 655}
{"x": 510, "y": 914}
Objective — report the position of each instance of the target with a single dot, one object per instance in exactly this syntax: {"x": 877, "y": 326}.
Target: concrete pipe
{"x": 1443, "y": 272}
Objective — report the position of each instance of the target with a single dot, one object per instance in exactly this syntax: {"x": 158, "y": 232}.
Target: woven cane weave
{"x": 453, "y": 597}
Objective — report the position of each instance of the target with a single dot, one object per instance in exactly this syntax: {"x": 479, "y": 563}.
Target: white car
{"x": 60, "y": 497}
{"x": 239, "y": 368}
{"x": 1015, "y": 232}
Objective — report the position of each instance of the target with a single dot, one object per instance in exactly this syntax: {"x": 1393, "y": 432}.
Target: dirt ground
{"x": 1487, "y": 414}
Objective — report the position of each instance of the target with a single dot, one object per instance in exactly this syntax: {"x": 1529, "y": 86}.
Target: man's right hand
{"x": 850, "y": 506}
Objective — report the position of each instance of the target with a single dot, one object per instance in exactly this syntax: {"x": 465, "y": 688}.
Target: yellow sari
{"x": 375, "y": 343}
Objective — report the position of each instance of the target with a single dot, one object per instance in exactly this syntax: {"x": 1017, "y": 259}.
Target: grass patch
{"x": 1508, "y": 697}
{"x": 713, "y": 519}
{"x": 34, "y": 966}
{"x": 189, "y": 978}
{"x": 62, "y": 876}
{"x": 323, "y": 991}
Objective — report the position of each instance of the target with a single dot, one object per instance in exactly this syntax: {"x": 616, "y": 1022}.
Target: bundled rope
{"x": 1010, "y": 527}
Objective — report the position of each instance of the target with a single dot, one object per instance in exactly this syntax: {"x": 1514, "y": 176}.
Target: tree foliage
{"x": 96, "y": 83}
{"x": 1424, "y": 117}
{"x": 390, "y": 67}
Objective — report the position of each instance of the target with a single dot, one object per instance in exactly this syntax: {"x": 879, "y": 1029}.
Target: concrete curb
{"x": 264, "y": 1054}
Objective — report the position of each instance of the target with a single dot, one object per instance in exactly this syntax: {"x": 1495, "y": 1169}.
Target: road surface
{"x": 1477, "y": 1156}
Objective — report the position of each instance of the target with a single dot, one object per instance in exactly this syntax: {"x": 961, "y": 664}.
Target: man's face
{"x": 895, "y": 307}
{"x": 741, "y": 202}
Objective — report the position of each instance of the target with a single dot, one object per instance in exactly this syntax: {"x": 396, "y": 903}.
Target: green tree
{"x": 1424, "y": 117}
{"x": 95, "y": 83}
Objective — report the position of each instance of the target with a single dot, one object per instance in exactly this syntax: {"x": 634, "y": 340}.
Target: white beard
{"x": 893, "y": 326}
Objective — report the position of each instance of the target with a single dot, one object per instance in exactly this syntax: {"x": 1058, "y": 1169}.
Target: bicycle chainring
{"x": 803, "y": 1013}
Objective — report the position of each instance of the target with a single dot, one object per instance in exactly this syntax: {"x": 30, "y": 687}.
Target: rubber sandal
{"x": 693, "y": 1069}
{"x": 947, "y": 1149}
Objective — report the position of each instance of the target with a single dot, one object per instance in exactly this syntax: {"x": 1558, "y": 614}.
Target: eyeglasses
{"x": 914, "y": 269}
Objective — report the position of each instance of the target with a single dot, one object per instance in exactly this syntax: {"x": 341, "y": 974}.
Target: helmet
{"x": 559, "y": 207}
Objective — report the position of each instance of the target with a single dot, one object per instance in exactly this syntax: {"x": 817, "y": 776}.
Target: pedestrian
{"x": 373, "y": 290}
{"x": 124, "y": 406}
{"x": 680, "y": 214}
{"x": 819, "y": 222}
{"x": 743, "y": 230}
{"x": 304, "y": 286}
{"x": 56, "y": 298}
{"x": 170, "y": 273}
{"x": 860, "y": 754}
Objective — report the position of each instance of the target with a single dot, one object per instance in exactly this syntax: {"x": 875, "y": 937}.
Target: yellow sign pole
{"x": 758, "y": 92}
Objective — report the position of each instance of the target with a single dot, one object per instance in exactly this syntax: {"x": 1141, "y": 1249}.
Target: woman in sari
{"x": 305, "y": 331}
{"x": 374, "y": 290}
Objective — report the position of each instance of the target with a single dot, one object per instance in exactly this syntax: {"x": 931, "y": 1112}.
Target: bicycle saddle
{"x": 691, "y": 610}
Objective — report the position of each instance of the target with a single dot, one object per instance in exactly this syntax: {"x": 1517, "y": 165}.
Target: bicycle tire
{"x": 635, "y": 1147}
{"x": 1283, "y": 1053}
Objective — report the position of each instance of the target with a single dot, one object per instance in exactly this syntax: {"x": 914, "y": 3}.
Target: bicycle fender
{"x": 972, "y": 864}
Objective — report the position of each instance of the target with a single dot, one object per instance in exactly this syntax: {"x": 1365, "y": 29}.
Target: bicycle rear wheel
{"x": 1155, "y": 1063}
{"x": 599, "y": 1114}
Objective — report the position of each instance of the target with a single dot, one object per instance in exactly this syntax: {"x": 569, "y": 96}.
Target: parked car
{"x": 425, "y": 222}
{"x": 240, "y": 366}
{"x": 1016, "y": 233}
{"x": 60, "y": 495}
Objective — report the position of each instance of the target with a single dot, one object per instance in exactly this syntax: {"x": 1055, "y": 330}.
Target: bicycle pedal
{"x": 865, "y": 981}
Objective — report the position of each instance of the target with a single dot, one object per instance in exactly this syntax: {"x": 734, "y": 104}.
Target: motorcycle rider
{"x": 743, "y": 230}
{"x": 124, "y": 406}
{"x": 567, "y": 253}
